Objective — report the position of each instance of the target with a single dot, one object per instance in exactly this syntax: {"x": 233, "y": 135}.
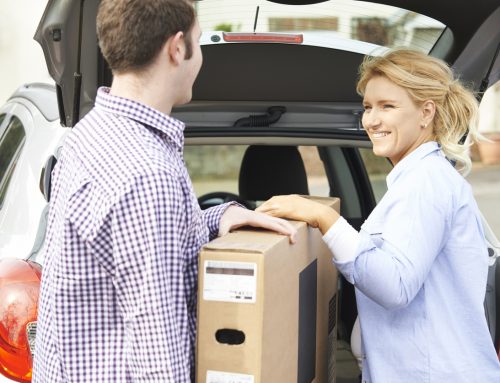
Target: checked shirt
{"x": 118, "y": 294}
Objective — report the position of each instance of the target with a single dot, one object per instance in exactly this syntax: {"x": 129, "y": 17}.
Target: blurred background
{"x": 21, "y": 58}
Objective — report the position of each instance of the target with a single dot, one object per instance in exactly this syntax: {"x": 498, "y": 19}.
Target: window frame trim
{"x": 5, "y": 180}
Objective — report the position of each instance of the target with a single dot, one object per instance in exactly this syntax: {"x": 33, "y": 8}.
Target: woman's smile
{"x": 378, "y": 135}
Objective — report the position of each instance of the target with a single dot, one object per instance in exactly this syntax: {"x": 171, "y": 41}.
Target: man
{"x": 118, "y": 296}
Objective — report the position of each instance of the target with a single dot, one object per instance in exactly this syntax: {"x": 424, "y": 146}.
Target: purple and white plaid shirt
{"x": 118, "y": 295}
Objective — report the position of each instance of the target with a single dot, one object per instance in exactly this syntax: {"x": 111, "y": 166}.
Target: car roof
{"x": 42, "y": 95}
{"x": 287, "y": 72}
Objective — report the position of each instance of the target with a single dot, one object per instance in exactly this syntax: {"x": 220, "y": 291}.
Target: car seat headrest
{"x": 271, "y": 170}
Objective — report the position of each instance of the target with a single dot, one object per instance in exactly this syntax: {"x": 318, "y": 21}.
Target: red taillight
{"x": 19, "y": 289}
{"x": 284, "y": 38}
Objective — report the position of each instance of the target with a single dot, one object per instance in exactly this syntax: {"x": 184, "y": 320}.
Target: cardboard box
{"x": 267, "y": 310}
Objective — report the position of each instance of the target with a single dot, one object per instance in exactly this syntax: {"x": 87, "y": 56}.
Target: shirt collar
{"x": 169, "y": 126}
{"x": 411, "y": 159}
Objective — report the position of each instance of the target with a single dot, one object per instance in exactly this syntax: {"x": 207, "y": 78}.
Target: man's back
{"x": 118, "y": 294}
{"x": 123, "y": 237}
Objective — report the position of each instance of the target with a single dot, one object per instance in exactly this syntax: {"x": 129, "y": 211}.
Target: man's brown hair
{"x": 131, "y": 33}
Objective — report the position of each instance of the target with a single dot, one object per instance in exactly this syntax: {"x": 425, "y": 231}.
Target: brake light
{"x": 19, "y": 290}
{"x": 284, "y": 38}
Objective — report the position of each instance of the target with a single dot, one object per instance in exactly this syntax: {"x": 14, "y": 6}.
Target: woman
{"x": 419, "y": 263}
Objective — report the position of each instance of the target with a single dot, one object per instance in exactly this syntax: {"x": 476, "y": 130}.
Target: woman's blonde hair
{"x": 428, "y": 78}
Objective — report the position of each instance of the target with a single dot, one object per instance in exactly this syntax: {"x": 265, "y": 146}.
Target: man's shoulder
{"x": 115, "y": 150}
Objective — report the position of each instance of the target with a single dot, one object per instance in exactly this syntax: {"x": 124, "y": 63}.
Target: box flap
{"x": 245, "y": 240}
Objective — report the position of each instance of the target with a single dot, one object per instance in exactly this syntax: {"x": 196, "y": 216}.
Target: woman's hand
{"x": 235, "y": 217}
{"x": 300, "y": 209}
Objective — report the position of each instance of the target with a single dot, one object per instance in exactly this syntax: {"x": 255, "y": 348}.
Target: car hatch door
{"x": 479, "y": 62}
{"x": 66, "y": 29}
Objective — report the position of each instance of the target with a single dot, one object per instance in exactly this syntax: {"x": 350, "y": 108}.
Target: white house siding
{"x": 241, "y": 14}
{"x": 21, "y": 57}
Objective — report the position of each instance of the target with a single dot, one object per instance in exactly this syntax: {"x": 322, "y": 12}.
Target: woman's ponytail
{"x": 457, "y": 117}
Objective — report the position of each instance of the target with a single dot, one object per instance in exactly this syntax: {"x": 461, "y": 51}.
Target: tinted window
{"x": 325, "y": 21}
{"x": 2, "y": 116}
{"x": 11, "y": 143}
{"x": 215, "y": 168}
{"x": 315, "y": 171}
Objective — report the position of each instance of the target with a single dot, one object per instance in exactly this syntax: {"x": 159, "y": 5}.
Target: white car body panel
{"x": 20, "y": 216}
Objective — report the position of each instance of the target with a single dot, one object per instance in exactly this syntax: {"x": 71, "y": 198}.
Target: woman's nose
{"x": 370, "y": 119}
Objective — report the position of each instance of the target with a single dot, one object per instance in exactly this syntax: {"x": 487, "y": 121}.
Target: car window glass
{"x": 325, "y": 21}
{"x": 315, "y": 170}
{"x": 214, "y": 168}
{"x": 2, "y": 128}
{"x": 11, "y": 143}
{"x": 377, "y": 168}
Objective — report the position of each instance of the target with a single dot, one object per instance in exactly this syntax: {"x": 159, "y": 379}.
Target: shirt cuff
{"x": 343, "y": 240}
{"x": 213, "y": 215}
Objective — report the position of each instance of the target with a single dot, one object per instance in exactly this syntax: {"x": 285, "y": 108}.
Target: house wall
{"x": 21, "y": 57}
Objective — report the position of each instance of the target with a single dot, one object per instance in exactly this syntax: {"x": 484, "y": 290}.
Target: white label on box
{"x": 230, "y": 281}
{"x": 227, "y": 377}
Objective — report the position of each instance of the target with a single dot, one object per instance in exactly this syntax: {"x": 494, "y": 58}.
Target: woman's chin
{"x": 380, "y": 152}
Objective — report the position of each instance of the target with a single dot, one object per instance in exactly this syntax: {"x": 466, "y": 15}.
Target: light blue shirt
{"x": 420, "y": 274}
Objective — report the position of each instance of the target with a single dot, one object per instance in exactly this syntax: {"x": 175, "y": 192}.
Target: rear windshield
{"x": 378, "y": 24}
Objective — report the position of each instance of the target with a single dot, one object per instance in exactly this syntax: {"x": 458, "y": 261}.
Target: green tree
{"x": 224, "y": 27}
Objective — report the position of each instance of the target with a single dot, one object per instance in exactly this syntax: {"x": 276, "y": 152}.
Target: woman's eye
{"x": 367, "y": 108}
{"x": 388, "y": 106}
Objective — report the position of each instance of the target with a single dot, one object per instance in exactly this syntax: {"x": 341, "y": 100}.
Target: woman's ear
{"x": 428, "y": 112}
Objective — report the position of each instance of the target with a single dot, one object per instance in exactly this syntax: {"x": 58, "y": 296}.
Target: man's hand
{"x": 235, "y": 217}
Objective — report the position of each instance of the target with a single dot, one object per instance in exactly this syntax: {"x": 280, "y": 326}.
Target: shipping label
{"x": 228, "y": 281}
{"x": 227, "y": 377}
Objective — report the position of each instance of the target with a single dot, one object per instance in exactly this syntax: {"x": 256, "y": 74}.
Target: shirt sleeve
{"x": 213, "y": 215}
{"x": 343, "y": 240}
{"x": 148, "y": 227}
{"x": 395, "y": 253}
